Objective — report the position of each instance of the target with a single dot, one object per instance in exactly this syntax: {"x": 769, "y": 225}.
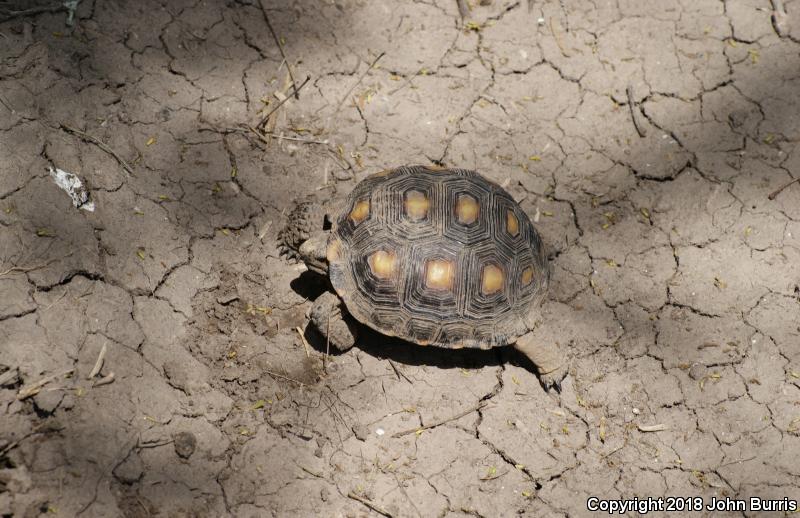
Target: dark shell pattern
{"x": 437, "y": 256}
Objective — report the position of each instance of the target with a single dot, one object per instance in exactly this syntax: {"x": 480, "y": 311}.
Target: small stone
{"x": 636, "y": 411}
{"x": 380, "y": 431}
{"x": 130, "y": 470}
{"x": 361, "y": 432}
{"x": 227, "y": 298}
{"x": 185, "y": 444}
{"x": 697, "y": 371}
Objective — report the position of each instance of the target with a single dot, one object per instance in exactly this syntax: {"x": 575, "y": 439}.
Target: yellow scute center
{"x": 439, "y": 274}
{"x": 417, "y": 205}
{"x": 491, "y": 279}
{"x": 527, "y": 275}
{"x": 512, "y": 223}
{"x": 467, "y": 209}
{"x": 360, "y": 211}
{"x": 382, "y": 264}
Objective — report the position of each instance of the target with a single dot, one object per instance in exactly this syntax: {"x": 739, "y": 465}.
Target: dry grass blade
{"x": 99, "y": 363}
{"x": 375, "y": 507}
{"x": 34, "y": 389}
{"x": 105, "y": 380}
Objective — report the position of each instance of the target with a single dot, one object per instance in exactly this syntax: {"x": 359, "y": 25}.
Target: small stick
{"x": 305, "y": 342}
{"x": 361, "y": 78}
{"x": 104, "y": 380}
{"x": 298, "y": 139}
{"x": 441, "y": 421}
{"x": 34, "y": 389}
{"x": 635, "y": 116}
{"x": 99, "y": 363}
{"x": 280, "y": 47}
{"x": 370, "y": 504}
{"x": 264, "y": 119}
{"x": 98, "y": 143}
{"x": 287, "y": 378}
{"x": 612, "y": 452}
{"x": 652, "y": 428}
{"x": 777, "y": 191}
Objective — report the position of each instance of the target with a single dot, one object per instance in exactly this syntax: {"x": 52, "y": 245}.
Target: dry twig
{"x": 98, "y": 143}
{"x": 378, "y": 509}
{"x": 287, "y": 378}
{"x": 360, "y": 78}
{"x": 280, "y": 47}
{"x": 441, "y": 421}
{"x": 266, "y": 117}
{"x": 777, "y": 191}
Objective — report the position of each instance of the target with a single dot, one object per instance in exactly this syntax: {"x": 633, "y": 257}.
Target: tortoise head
{"x": 305, "y": 235}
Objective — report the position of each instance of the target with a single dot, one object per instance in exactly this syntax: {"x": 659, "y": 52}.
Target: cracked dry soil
{"x": 676, "y": 279}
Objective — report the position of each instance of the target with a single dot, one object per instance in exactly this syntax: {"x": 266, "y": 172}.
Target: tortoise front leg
{"x": 330, "y": 318}
{"x": 551, "y": 365}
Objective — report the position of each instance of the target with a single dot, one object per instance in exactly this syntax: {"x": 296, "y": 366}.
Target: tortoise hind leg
{"x": 548, "y": 359}
{"x": 331, "y": 320}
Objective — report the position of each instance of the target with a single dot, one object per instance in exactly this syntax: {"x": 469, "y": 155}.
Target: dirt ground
{"x": 676, "y": 286}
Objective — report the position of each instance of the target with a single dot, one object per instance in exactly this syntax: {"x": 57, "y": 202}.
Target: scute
{"x": 437, "y": 256}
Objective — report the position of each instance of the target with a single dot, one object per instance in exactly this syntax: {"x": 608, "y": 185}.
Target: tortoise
{"x": 431, "y": 255}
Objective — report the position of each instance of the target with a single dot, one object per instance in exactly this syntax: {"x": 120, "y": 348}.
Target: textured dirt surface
{"x": 676, "y": 286}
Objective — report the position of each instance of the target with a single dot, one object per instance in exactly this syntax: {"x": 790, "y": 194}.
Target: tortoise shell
{"x": 437, "y": 256}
